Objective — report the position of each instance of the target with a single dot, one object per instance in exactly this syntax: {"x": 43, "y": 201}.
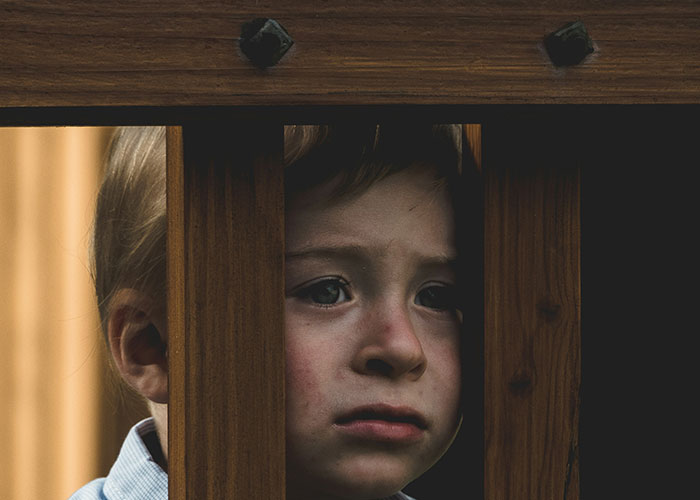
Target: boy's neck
{"x": 159, "y": 451}
{"x": 153, "y": 445}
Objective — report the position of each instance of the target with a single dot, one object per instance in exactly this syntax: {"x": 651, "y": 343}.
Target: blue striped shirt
{"x": 136, "y": 476}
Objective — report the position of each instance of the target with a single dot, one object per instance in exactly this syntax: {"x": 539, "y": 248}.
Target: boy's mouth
{"x": 384, "y": 413}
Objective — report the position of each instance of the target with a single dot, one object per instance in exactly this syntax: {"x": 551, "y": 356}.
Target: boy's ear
{"x": 138, "y": 340}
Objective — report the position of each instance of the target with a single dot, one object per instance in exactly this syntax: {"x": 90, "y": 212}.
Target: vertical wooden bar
{"x": 472, "y": 133}
{"x": 226, "y": 292}
{"x": 175, "y": 191}
{"x": 532, "y": 311}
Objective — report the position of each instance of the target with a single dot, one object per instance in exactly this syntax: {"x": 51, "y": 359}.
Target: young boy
{"x": 371, "y": 318}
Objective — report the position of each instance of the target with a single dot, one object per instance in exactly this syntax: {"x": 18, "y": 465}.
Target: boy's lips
{"x": 386, "y": 412}
{"x": 383, "y": 422}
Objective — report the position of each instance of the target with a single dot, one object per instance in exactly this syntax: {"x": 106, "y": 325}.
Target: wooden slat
{"x": 177, "y": 374}
{"x": 472, "y": 132}
{"x": 226, "y": 292}
{"x": 177, "y": 53}
{"x": 532, "y": 312}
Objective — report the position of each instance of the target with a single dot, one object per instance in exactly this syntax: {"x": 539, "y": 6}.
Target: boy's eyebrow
{"x": 348, "y": 252}
{"x": 359, "y": 253}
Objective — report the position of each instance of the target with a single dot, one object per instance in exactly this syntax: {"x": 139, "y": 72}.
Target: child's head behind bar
{"x": 372, "y": 319}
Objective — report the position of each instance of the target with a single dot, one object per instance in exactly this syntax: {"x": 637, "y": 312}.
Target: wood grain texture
{"x": 177, "y": 369}
{"x": 179, "y": 53}
{"x": 472, "y": 133}
{"x": 532, "y": 312}
{"x": 227, "y": 281}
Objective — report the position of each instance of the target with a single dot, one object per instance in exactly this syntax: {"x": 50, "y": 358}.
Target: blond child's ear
{"x": 137, "y": 333}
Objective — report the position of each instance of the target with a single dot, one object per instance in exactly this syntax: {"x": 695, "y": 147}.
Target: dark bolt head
{"x": 264, "y": 41}
{"x": 569, "y": 44}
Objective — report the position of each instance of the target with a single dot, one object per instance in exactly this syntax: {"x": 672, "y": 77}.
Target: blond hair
{"x": 128, "y": 242}
{"x": 128, "y": 238}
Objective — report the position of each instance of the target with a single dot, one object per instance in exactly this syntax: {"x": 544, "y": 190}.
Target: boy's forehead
{"x": 410, "y": 184}
{"x": 402, "y": 208}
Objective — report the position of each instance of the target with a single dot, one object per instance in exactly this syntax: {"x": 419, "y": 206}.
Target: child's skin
{"x": 369, "y": 321}
{"x": 366, "y": 335}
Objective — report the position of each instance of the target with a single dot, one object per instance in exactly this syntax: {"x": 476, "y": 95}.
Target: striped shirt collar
{"x": 135, "y": 461}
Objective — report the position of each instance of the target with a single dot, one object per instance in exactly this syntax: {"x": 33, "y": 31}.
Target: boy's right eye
{"x": 327, "y": 292}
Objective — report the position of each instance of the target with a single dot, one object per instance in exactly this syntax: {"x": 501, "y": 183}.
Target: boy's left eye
{"x": 440, "y": 298}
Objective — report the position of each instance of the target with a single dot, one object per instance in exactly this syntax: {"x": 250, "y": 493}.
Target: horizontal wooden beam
{"x": 180, "y": 53}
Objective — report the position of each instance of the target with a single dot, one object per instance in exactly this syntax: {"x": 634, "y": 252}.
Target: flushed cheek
{"x": 303, "y": 389}
{"x": 310, "y": 383}
{"x": 308, "y": 412}
{"x": 314, "y": 361}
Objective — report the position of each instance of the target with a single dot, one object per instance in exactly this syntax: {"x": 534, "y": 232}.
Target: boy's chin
{"x": 356, "y": 481}
{"x": 349, "y": 492}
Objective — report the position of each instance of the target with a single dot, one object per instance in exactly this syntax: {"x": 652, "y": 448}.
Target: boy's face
{"x": 372, "y": 338}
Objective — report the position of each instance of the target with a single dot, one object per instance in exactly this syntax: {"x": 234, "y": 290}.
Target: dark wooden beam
{"x": 180, "y": 53}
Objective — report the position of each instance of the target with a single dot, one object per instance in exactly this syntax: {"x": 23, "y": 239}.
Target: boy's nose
{"x": 390, "y": 346}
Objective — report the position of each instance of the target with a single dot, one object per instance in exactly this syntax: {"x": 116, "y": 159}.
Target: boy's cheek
{"x": 302, "y": 385}
{"x": 448, "y": 377}
{"x": 303, "y": 378}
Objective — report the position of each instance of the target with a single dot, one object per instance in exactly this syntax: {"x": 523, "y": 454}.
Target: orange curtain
{"x": 59, "y": 425}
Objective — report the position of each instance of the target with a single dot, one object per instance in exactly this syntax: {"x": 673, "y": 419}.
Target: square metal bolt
{"x": 569, "y": 44}
{"x": 264, "y": 41}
